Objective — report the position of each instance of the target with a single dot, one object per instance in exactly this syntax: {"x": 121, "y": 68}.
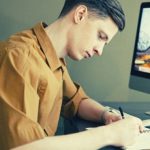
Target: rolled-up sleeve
{"x": 73, "y": 95}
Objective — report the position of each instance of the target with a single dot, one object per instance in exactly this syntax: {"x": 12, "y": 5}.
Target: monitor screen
{"x": 141, "y": 56}
{"x": 141, "y": 60}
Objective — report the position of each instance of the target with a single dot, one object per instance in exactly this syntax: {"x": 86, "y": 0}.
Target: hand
{"x": 109, "y": 117}
{"x": 125, "y": 131}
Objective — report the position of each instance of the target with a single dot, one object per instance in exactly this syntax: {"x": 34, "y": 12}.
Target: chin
{"x": 76, "y": 58}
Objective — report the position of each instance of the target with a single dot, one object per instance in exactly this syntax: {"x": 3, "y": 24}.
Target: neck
{"x": 57, "y": 32}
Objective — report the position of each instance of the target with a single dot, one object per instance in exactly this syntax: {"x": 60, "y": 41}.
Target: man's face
{"x": 89, "y": 37}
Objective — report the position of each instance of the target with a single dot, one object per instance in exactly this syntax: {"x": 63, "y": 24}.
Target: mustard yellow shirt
{"x": 33, "y": 82}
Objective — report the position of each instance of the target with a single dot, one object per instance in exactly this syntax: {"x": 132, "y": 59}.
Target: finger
{"x": 141, "y": 128}
{"x": 140, "y": 125}
{"x": 109, "y": 121}
{"x": 117, "y": 118}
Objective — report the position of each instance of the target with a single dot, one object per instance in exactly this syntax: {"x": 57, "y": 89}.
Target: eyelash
{"x": 101, "y": 37}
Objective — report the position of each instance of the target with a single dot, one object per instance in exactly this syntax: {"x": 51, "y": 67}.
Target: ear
{"x": 80, "y": 13}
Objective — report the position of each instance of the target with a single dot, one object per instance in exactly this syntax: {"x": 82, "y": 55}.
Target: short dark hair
{"x": 102, "y": 8}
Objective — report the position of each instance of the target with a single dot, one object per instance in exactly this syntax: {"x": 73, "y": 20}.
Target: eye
{"x": 102, "y": 36}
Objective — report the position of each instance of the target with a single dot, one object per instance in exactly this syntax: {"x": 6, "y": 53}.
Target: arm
{"x": 17, "y": 98}
{"x": 90, "y": 110}
{"x": 79, "y": 103}
{"x": 91, "y": 139}
{"x": 94, "y": 111}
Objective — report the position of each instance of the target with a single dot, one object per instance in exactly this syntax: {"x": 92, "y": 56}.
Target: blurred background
{"x": 104, "y": 78}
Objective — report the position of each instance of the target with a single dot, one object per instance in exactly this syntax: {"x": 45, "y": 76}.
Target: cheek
{"x": 78, "y": 42}
{"x": 89, "y": 42}
{"x": 90, "y": 36}
{"x": 83, "y": 40}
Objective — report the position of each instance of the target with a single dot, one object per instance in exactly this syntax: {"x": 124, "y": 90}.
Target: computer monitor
{"x": 140, "y": 70}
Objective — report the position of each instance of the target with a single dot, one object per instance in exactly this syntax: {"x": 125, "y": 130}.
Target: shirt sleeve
{"x": 16, "y": 126}
{"x": 73, "y": 95}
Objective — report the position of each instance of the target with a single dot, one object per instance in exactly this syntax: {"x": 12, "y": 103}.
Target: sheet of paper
{"x": 146, "y": 122}
{"x": 142, "y": 142}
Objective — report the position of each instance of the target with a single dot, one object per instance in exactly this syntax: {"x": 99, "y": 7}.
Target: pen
{"x": 121, "y": 112}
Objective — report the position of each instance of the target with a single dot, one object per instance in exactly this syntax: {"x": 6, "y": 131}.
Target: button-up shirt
{"x": 33, "y": 84}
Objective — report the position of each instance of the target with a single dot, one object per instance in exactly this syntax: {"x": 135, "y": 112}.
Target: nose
{"x": 98, "y": 52}
{"x": 99, "y": 49}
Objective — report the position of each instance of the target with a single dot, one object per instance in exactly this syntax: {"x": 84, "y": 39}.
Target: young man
{"x": 34, "y": 80}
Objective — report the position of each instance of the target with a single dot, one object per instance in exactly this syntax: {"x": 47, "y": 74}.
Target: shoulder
{"x": 16, "y": 49}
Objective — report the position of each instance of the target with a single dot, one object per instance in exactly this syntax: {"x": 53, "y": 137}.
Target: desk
{"x": 132, "y": 108}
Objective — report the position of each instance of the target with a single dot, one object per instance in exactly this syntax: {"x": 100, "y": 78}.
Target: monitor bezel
{"x": 133, "y": 71}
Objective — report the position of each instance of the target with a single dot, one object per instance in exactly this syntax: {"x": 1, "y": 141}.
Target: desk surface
{"x": 132, "y": 108}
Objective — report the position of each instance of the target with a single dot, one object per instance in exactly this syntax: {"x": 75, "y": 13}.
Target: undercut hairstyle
{"x": 102, "y": 8}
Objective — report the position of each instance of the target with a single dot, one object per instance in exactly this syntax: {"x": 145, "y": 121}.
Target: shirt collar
{"x": 47, "y": 47}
